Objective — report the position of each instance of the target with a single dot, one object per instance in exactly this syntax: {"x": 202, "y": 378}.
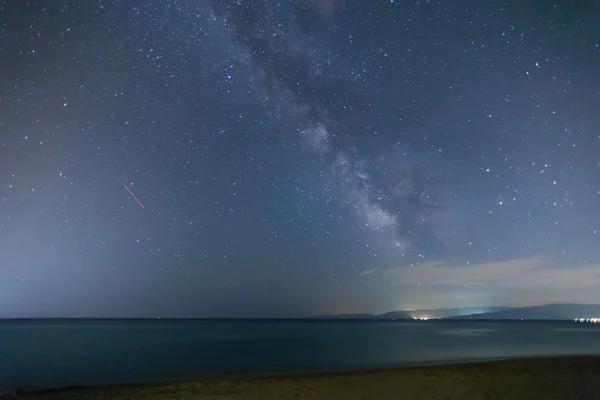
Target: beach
{"x": 539, "y": 378}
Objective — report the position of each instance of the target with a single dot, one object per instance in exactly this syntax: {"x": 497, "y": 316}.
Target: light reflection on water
{"x": 467, "y": 332}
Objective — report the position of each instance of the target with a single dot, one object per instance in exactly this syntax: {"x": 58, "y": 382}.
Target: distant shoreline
{"x": 527, "y": 377}
{"x": 307, "y": 319}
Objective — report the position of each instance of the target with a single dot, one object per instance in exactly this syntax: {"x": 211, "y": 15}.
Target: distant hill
{"x": 346, "y": 316}
{"x": 442, "y": 312}
{"x": 425, "y": 313}
{"x": 548, "y": 311}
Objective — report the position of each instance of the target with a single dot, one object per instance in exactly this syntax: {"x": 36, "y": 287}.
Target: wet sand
{"x": 542, "y": 378}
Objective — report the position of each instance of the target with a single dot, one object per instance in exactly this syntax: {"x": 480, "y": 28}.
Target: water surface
{"x": 56, "y": 353}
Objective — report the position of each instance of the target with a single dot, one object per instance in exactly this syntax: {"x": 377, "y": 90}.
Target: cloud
{"x": 521, "y": 274}
{"x": 519, "y": 282}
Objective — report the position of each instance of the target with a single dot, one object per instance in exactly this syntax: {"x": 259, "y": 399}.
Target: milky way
{"x": 381, "y": 187}
{"x": 296, "y": 158}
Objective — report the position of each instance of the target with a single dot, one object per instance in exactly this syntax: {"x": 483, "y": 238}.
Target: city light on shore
{"x": 588, "y": 320}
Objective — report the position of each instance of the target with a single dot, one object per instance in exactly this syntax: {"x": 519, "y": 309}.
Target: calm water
{"x": 42, "y": 354}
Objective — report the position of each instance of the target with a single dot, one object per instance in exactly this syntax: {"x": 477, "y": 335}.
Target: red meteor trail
{"x": 136, "y": 199}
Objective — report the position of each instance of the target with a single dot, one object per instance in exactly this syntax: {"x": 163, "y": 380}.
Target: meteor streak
{"x": 136, "y": 199}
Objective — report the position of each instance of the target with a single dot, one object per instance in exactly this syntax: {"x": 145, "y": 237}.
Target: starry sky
{"x": 217, "y": 158}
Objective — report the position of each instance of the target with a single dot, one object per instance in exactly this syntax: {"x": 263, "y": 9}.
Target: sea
{"x": 43, "y": 354}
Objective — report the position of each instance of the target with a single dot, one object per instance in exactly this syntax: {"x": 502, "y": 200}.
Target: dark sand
{"x": 543, "y": 378}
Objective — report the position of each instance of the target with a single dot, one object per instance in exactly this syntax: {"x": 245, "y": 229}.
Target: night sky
{"x": 287, "y": 158}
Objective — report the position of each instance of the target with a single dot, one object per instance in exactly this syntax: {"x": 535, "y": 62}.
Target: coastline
{"x": 541, "y": 377}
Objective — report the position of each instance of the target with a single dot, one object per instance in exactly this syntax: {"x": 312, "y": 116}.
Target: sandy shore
{"x": 544, "y": 378}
